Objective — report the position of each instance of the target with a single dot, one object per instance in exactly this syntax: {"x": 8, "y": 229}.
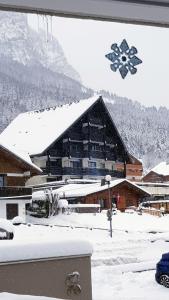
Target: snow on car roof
{"x": 44, "y": 126}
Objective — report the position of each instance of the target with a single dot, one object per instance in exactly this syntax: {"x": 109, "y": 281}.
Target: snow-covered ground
{"x": 9, "y": 296}
{"x": 123, "y": 266}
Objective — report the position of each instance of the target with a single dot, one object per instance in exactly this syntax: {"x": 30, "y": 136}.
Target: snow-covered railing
{"x": 84, "y": 208}
{"x": 152, "y": 211}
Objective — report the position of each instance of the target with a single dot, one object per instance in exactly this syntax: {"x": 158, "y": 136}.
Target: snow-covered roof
{"x": 156, "y": 190}
{"x": 161, "y": 169}
{"x": 22, "y": 155}
{"x": 35, "y": 131}
{"x": 81, "y": 190}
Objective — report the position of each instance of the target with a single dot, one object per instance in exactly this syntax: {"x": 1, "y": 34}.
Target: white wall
{"x": 36, "y": 180}
{"x": 21, "y": 207}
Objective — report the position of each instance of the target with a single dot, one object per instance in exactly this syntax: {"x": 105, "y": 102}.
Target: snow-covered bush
{"x": 17, "y": 220}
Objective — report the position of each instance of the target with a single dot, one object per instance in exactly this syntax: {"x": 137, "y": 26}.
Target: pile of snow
{"x": 17, "y": 220}
{"x": 63, "y": 203}
{"x": 6, "y": 225}
{"x": 39, "y": 196}
{"x": 19, "y": 251}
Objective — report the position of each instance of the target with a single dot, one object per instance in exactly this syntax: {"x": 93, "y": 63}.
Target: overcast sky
{"x": 85, "y": 43}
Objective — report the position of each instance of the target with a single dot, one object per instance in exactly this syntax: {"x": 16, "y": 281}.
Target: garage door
{"x": 11, "y": 210}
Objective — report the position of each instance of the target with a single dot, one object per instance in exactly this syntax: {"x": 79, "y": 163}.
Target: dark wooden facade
{"x": 91, "y": 147}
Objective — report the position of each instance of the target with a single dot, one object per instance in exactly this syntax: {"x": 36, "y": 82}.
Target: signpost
{"x": 109, "y": 212}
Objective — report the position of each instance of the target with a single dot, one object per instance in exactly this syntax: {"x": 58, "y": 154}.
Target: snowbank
{"x": 18, "y": 251}
{"x": 8, "y": 296}
{"x": 6, "y": 225}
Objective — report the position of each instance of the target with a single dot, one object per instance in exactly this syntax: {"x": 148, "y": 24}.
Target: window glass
{"x": 75, "y": 164}
{"x": 92, "y": 164}
{"x": 1, "y": 180}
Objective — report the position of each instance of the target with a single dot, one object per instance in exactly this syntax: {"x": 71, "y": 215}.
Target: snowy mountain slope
{"x": 145, "y": 130}
{"x": 20, "y": 43}
{"x": 34, "y": 73}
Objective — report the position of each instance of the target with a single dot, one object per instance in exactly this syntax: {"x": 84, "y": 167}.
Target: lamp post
{"x": 109, "y": 212}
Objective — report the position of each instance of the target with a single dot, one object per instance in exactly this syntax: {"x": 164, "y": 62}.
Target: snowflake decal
{"x": 123, "y": 59}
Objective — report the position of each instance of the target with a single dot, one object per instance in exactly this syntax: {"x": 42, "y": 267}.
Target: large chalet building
{"x": 76, "y": 140}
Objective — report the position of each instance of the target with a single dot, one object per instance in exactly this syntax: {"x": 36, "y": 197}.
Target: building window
{"x": 11, "y": 210}
{"x": 75, "y": 148}
{"x": 1, "y": 180}
{"x": 86, "y": 147}
{"x": 96, "y": 148}
{"x": 101, "y": 202}
{"x": 75, "y": 164}
{"x": 92, "y": 164}
{"x": 102, "y": 165}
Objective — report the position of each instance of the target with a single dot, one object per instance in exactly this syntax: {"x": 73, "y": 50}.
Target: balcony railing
{"x": 96, "y": 121}
{"x": 82, "y": 171}
{"x": 10, "y": 191}
{"x": 75, "y": 136}
{"x": 97, "y": 154}
{"x": 55, "y": 153}
{"x": 52, "y": 170}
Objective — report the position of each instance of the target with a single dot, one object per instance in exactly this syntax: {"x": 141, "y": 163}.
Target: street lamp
{"x": 109, "y": 212}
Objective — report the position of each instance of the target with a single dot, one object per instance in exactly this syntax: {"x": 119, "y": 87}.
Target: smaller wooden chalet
{"x": 159, "y": 173}
{"x": 122, "y": 192}
{"x": 15, "y": 167}
{"x": 73, "y": 141}
{"x": 15, "y": 170}
{"x": 158, "y": 194}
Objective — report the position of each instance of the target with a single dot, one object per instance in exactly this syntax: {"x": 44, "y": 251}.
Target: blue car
{"x": 162, "y": 270}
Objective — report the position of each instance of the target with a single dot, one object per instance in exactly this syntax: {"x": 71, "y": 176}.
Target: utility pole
{"x": 109, "y": 212}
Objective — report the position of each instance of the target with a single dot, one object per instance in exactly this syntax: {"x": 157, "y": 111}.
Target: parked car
{"x": 162, "y": 270}
{"x": 6, "y": 230}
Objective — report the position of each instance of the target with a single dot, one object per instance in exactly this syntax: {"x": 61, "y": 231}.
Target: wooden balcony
{"x": 74, "y": 136}
{"x": 82, "y": 172}
{"x": 55, "y": 153}
{"x": 10, "y": 191}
